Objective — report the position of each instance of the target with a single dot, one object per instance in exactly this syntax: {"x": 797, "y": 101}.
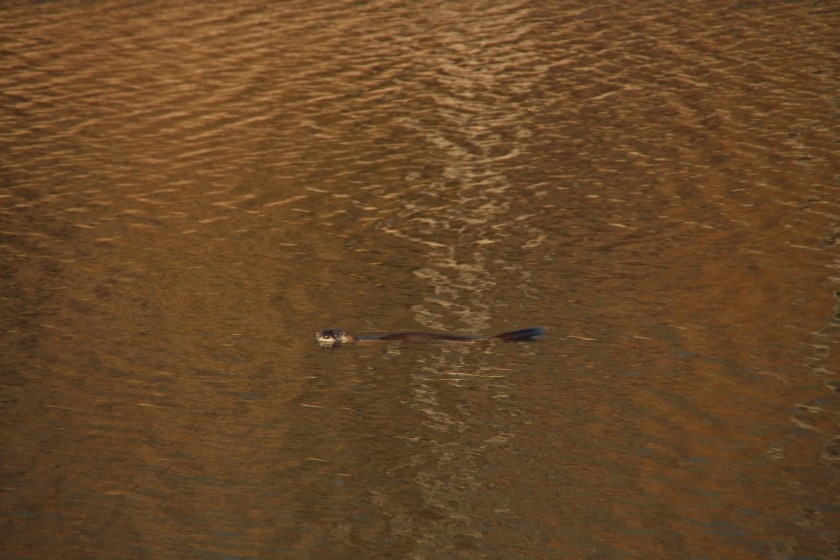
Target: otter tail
{"x": 520, "y": 335}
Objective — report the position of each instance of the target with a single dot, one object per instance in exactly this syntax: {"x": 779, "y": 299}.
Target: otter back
{"x": 330, "y": 338}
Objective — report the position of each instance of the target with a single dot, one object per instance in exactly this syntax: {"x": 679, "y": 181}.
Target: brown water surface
{"x": 190, "y": 190}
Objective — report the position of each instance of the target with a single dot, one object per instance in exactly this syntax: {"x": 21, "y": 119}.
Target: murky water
{"x": 191, "y": 190}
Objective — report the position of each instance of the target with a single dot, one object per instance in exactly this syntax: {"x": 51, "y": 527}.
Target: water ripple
{"x": 186, "y": 189}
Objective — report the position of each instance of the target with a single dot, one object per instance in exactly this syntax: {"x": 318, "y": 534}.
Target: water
{"x": 189, "y": 192}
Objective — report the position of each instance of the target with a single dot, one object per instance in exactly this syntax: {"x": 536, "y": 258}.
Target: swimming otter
{"x": 330, "y": 338}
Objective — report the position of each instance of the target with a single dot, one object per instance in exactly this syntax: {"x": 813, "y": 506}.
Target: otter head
{"x": 329, "y": 338}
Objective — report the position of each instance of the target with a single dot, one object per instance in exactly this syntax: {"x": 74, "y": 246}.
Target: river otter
{"x": 330, "y": 338}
